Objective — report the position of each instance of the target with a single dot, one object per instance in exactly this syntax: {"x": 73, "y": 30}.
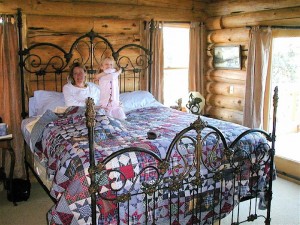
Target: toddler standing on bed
{"x": 109, "y": 89}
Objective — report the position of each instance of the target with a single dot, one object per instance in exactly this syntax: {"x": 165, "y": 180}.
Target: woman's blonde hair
{"x": 72, "y": 67}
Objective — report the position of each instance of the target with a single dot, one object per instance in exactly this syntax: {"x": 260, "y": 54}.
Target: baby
{"x": 109, "y": 89}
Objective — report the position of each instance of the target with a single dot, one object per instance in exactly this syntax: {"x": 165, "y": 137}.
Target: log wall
{"x": 61, "y": 22}
{"x": 120, "y": 21}
{"x": 226, "y": 26}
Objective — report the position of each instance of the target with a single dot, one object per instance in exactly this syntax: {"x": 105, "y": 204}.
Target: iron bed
{"x": 103, "y": 171}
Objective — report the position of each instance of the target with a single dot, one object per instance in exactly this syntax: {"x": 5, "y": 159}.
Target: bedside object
{"x": 196, "y": 103}
{"x": 6, "y": 145}
{"x": 3, "y": 129}
{"x": 178, "y": 106}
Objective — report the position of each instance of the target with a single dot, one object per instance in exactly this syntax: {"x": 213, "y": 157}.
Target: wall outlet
{"x": 231, "y": 89}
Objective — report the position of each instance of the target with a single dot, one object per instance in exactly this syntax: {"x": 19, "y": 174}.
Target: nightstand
{"x": 6, "y": 145}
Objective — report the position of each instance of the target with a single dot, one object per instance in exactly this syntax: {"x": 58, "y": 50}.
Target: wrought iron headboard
{"x": 49, "y": 63}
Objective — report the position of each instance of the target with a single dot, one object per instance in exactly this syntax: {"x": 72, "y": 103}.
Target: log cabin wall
{"x": 226, "y": 25}
{"x": 120, "y": 21}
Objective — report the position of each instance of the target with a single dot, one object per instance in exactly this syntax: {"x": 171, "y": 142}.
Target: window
{"x": 285, "y": 73}
{"x": 176, "y": 63}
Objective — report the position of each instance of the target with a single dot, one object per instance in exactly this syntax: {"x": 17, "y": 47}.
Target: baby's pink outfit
{"x": 110, "y": 94}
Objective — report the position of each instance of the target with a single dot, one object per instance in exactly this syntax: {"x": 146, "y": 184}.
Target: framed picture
{"x": 227, "y": 57}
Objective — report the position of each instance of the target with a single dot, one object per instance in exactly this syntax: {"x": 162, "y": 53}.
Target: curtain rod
{"x": 278, "y": 27}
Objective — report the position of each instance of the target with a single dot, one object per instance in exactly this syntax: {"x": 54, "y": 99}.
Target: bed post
{"x": 21, "y": 64}
{"x": 150, "y": 56}
{"x": 270, "y": 192}
{"x": 90, "y": 123}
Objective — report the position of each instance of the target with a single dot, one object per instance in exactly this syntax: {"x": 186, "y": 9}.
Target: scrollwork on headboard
{"x": 46, "y": 65}
{"x": 89, "y": 49}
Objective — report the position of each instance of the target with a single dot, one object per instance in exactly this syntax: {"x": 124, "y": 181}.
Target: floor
{"x": 285, "y": 207}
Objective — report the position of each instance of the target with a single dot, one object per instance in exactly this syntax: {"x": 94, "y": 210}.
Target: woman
{"x": 77, "y": 90}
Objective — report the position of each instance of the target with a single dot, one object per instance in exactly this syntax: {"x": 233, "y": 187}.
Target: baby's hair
{"x": 107, "y": 58}
{"x": 72, "y": 67}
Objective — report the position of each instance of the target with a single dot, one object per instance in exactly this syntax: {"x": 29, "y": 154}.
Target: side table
{"x": 6, "y": 145}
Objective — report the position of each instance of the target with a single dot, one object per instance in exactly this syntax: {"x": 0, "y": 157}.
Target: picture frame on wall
{"x": 227, "y": 57}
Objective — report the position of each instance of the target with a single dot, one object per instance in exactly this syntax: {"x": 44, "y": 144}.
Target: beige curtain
{"x": 157, "y": 79}
{"x": 10, "y": 86}
{"x": 257, "y": 70}
{"x": 196, "y": 81}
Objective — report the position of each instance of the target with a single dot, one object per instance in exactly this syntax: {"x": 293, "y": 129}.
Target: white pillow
{"x": 138, "y": 99}
{"x": 32, "y": 107}
{"x": 48, "y": 100}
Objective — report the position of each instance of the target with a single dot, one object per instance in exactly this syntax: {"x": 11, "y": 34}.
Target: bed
{"x": 159, "y": 166}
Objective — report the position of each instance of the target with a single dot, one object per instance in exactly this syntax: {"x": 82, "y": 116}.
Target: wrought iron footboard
{"x": 200, "y": 180}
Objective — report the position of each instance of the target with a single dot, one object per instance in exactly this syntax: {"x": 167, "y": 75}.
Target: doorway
{"x": 285, "y": 73}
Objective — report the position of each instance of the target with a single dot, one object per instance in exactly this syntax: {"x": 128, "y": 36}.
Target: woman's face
{"x": 79, "y": 76}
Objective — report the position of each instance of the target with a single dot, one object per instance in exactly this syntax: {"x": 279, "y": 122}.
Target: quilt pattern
{"x": 65, "y": 145}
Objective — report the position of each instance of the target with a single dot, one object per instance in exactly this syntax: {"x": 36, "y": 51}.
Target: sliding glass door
{"x": 285, "y": 73}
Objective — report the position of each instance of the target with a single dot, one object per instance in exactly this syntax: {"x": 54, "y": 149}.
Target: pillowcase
{"x": 32, "y": 107}
{"x": 45, "y": 100}
{"x": 138, "y": 99}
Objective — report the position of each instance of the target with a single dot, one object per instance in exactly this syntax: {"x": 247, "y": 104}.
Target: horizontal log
{"x": 45, "y": 53}
{"x": 227, "y": 76}
{"x": 129, "y": 50}
{"x": 237, "y": 90}
{"x": 75, "y": 25}
{"x": 127, "y": 83}
{"x": 261, "y": 18}
{"x": 227, "y": 7}
{"x": 214, "y": 23}
{"x": 228, "y": 35}
{"x": 177, "y": 4}
{"x": 225, "y": 114}
{"x": 284, "y": 16}
{"x": 210, "y": 62}
{"x": 227, "y": 102}
{"x": 49, "y": 86}
{"x": 103, "y": 10}
{"x": 65, "y": 40}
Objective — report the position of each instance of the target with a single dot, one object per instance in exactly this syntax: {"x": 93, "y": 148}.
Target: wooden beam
{"x": 285, "y": 16}
{"x": 227, "y": 102}
{"x": 231, "y": 115}
{"x": 77, "y": 25}
{"x": 227, "y": 89}
{"x": 102, "y": 10}
{"x": 228, "y": 7}
{"x": 227, "y": 76}
{"x": 228, "y": 35}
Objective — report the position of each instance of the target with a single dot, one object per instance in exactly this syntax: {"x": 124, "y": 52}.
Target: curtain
{"x": 10, "y": 86}
{"x": 196, "y": 76}
{"x": 257, "y": 70}
{"x": 157, "y": 79}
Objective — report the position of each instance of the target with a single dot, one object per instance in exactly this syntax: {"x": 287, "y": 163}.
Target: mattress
{"x": 37, "y": 162}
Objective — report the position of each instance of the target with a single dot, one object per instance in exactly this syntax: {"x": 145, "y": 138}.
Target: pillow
{"x": 138, "y": 99}
{"x": 32, "y": 107}
{"x": 48, "y": 100}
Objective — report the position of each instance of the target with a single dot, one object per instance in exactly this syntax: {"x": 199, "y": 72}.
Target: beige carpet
{"x": 285, "y": 207}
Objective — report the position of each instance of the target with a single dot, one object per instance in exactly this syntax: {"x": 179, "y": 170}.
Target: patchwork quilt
{"x": 64, "y": 143}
